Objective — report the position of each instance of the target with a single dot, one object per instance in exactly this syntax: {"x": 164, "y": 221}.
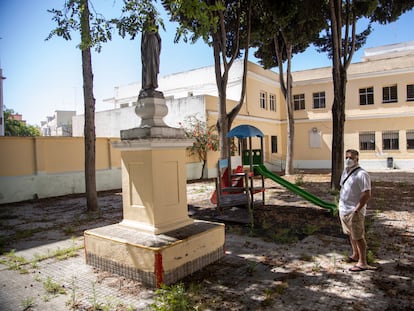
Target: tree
{"x": 340, "y": 40}
{"x": 225, "y": 26}
{"x": 286, "y": 28}
{"x": 204, "y": 136}
{"x": 16, "y": 127}
{"x": 94, "y": 30}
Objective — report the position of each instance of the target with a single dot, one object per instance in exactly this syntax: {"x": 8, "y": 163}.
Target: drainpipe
{"x": 1, "y": 104}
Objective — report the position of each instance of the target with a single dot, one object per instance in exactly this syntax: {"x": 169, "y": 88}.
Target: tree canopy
{"x": 14, "y": 127}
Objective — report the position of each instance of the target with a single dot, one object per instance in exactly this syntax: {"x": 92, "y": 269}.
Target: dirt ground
{"x": 292, "y": 258}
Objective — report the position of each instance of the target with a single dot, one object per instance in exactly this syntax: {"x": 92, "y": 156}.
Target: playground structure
{"x": 238, "y": 188}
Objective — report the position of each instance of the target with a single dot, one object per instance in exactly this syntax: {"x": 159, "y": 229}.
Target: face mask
{"x": 349, "y": 163}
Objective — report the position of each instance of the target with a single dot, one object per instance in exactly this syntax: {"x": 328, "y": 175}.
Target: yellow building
{"x": 379, "y": 111}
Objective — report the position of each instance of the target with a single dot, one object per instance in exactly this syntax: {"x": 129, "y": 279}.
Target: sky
{"x": 44, "y": 76}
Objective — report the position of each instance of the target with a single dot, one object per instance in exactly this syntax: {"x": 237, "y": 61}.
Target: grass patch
{"x": 27, "y": 303}
{"x": 15, "y": 262}
{"x": 52, "y": 287}
{"x": 171, "y": 298}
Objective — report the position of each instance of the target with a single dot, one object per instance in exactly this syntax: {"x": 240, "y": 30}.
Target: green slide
{"x": 262, "y": 170}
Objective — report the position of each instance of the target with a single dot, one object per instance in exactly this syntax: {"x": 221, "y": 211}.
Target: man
{"x": 354, "y": 195}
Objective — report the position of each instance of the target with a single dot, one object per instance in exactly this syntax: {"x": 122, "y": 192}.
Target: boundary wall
{"x": 42, "y": 167}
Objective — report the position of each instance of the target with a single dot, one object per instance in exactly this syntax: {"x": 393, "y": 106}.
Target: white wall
{"x": 109, "y": 123}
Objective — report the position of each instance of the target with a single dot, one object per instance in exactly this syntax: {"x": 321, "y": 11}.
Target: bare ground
{"x": 293, "y": 258}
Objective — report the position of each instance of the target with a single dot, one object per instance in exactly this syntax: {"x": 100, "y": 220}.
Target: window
{"x": 410, "y": 139}
{"x": 366, "y": 96}
{"x": 367, "y": 141}
{"x": 390, "y": 140}
{"x": 263, "y": 103}
{"x": 315, "y": 138}
{"x": 274, "y": 144}
{"x": 272, "y": 102}
{"x": 319, "y": 100}
{"x": 299, "y": 101}
{"x": 410, "y": 92}
{"x": 389, "y": 94}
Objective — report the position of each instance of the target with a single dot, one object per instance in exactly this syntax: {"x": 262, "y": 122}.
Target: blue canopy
{"x": 244, "y": 131}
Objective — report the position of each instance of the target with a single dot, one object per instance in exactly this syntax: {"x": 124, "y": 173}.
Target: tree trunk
{"x": 89, "y": 103}
{"x": 221, "y": 81}
{"x": 339, "y": 83}
{"x": 338, "y": 126}
{"x": 289, "y": 169}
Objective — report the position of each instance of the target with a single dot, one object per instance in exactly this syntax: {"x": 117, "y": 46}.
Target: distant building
{"x": 60, "y": 124}
{"x": 17, "y": 117}
{"x": 379, "y": 109}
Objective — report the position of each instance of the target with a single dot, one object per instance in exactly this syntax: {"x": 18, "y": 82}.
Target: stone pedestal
{"x": 154, "y": 185}
{"x": 156, "y": 242}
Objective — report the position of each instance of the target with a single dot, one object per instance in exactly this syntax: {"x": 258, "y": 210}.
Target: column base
{"x": 155, "y": 259}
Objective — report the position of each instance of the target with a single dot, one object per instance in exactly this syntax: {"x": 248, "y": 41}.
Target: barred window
{"x": 263, "y": 102}
{"x": 366, "y": 96}
{"x": 319, "y": 100}
{"x": 299, "y": 101}
{"x": 272, "y": 102}
{"x": 274, "y": 144}
{"x": 410, "y": 92}
{"x": 389, "y": 94}
{"x": 410, "y": 139}
{"x": 390, "y": 140}
{"x": 367, "y": 141}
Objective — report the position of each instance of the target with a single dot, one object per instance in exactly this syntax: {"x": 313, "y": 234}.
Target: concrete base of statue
{"x": 154, "y": 259}
{"x": 156, "y": 242}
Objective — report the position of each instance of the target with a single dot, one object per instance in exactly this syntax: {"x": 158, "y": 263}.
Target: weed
{"x": 69, "y": 230}
{"x": 62, "y": 254}
{"x": 371, "y": 259}
{"x": 72, "y": 303}
{"x": 14, "y": 262}
{"x": 94, "y": 300}
{"x": 299, "y": 179}
{"x": 52, "y": 287}
{"x": 305, "y": 257}
{"x": 24, "y": 234}
{"x": 252, "y": 267}
{"x": 316, "y": 266}
{"x": 28, "y": 303}
{"x": 283, "y": 236}
{"x": 171, "y": 298}
{"x": 310, "y": 229}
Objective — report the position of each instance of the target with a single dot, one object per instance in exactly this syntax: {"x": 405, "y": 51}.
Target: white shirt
{"x": 351, "y": 190}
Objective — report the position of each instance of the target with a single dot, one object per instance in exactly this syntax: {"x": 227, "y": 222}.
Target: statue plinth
{"x": 156, "y": 242}
{"x": 151, "y": 108}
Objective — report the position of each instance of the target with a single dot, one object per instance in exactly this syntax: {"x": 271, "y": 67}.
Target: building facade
{"x": 379, "y": 109}
{"x": 60, "y": 124}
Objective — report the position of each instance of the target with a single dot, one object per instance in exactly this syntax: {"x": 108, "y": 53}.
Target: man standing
{"x": 354, "y": 195}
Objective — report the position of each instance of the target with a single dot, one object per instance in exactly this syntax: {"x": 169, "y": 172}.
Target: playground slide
{"x": 261, "y": 169}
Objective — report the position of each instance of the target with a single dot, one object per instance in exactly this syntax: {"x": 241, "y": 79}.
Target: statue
{"x": 150, "y": 58}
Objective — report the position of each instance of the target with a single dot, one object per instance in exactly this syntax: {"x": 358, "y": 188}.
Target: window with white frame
{"x": 389, "y": 94}
{"x": 272, "y": 102}
{"x": 299, "y": 101}
{"x": 410, "y": 139}
{"x": 318, "y": 100}
{"x": 367, "y": 141}
{"x": 274, "y": 144}
{"x": 366, "y": 96}
{"x": 410, "y": 92}
{"x": 390, "y": 140}
{"x": 263, "y": 100}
